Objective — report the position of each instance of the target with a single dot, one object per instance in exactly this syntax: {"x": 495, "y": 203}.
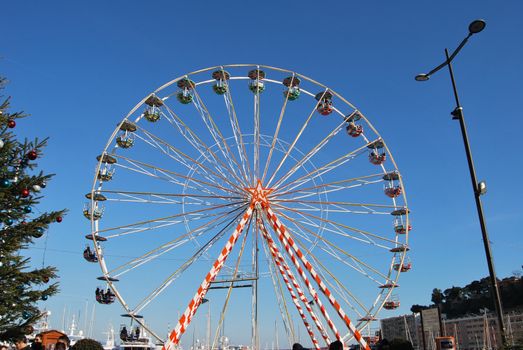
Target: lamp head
{"x": 422, "y": 77}
{"x": 477, "y": 26}
{"x": 482, "y": 188}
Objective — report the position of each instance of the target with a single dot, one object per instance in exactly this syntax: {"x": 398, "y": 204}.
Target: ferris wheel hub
{"x": 259, "y": 194}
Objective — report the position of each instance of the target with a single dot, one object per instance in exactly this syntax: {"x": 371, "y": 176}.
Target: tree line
{"x": 474, "y": 297}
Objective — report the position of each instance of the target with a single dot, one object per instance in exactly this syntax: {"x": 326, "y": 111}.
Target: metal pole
{"x": 458, "y": 114}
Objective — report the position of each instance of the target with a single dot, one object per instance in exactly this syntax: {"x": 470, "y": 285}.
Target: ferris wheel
{"x": 256, "y": 187}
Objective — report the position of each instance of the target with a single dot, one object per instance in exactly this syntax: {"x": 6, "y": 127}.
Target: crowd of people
{"x": 133, "y": 335}
{"x": 62, "y": 343}
{"x": 22, "y": 343}
{"x": 335, "y": 345}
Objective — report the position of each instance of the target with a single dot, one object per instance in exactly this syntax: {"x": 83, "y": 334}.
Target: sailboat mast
{"x": 209, "y": 327}
{"x": 456, "y": 335}
{"x": 276, "y": 333}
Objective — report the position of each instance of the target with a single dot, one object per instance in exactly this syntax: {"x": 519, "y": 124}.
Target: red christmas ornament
{"x": 25, "y": 192}
{"x": 59, "y": 219}
{"x": 32, "y": 155}
{"x": 11, "y": 123}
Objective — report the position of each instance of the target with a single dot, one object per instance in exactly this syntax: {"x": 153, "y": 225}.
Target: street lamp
{"x": 479, "y": 188}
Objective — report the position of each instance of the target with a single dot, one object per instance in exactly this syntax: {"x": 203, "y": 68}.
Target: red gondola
{"x": 354, "y": 130}
{"x": 393, "y": 191}
{"x": 403, "y": 268}
{"x": 377, "y": 159}
{"x": 325, "y": 102}
{"x": 391, "y": 305}
{"x": 402, "y": 229}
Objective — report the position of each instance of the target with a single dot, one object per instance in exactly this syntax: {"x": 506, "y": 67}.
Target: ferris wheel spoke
{"x": 231, "y": 285}
{"x": 189, "y": 165}
{"x": 291, "y": 147}
{"x": 310, "y": 154}
{"x": 278, "y": 292}
{"x": 192, "y": 162}
{"x": 173, "y": 177}
{"x": 171, "y": 278}
{"x": 164, "y": 223}
{"x": 276, "y": 133}
{"x": 338, "y": 207}
{"x": 235, "y": 125}
{"x": 342, "y": 291}
{"x": 335, "y": 247}
{"x": 164, "y": 175}
{"x": 291, "y": 253}
{"x": 332, "y": 276}
{"x": 195, "y": 302}
{"x": 324, "y": 169}
{"x": 140, "y": 224}
{"x": 332, "y": 209}
{"x": 341, "y": 229}
{"x": 256, "y": 147}
{"x": 286, "y": 239}
{"x": 175, "y": 243}
{"x": 332, "y": 186}
{"x": 205, "y": 151}
{"x": 330, "y": 189}
{"x": 166, "y": 198}
{"x": 274, "y": 265}
{"x": 181, "y": 157}
{"x": 218, "y": 138}
{"x": 287, "y": 275}
{"x": 322, "y": 270}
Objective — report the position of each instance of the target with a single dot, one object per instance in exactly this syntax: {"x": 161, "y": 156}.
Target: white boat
{"x": 136, "y": 339}
{"x": 72, "y": 334}
{"x": 109, "y": 342}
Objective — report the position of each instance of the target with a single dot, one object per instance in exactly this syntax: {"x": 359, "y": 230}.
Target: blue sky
{"x": 79, "y": 67}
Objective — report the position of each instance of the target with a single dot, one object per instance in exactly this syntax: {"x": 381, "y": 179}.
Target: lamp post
{"x": 479, "y": 188}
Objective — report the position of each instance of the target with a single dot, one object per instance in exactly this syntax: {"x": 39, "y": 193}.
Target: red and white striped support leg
{"x": 302, "y": 274}
{"x": 183, "y": 323}
{"x": 291, "y": 291}
{"x": 282, "y": 264}
{"x": 287, "y": 241}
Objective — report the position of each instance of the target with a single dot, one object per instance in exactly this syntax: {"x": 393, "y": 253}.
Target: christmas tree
{"x": 22, "y": 285}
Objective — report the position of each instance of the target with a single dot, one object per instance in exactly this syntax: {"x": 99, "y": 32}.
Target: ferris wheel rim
{"x": 94, "y": 223}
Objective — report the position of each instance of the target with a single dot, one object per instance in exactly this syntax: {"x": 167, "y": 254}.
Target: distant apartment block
{"x": 402, "y": 327}
{"x": 481, "y": 332}
{"x": 476, "y": 332}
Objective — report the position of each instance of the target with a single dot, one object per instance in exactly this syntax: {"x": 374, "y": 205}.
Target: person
{"x": 137, "y": 332}
{"x": 59, "y": 346}
{"x": 21, "y": 343}
{"x": 336, "y": 345}
{"x": 37, "y": 343}
{"x": 98, "y": 294}
{"x": 123, "y": 334}
{"x": 87, "y": 344}
{"x": 3, "y": 347}
{"x": 65, "y": 340}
